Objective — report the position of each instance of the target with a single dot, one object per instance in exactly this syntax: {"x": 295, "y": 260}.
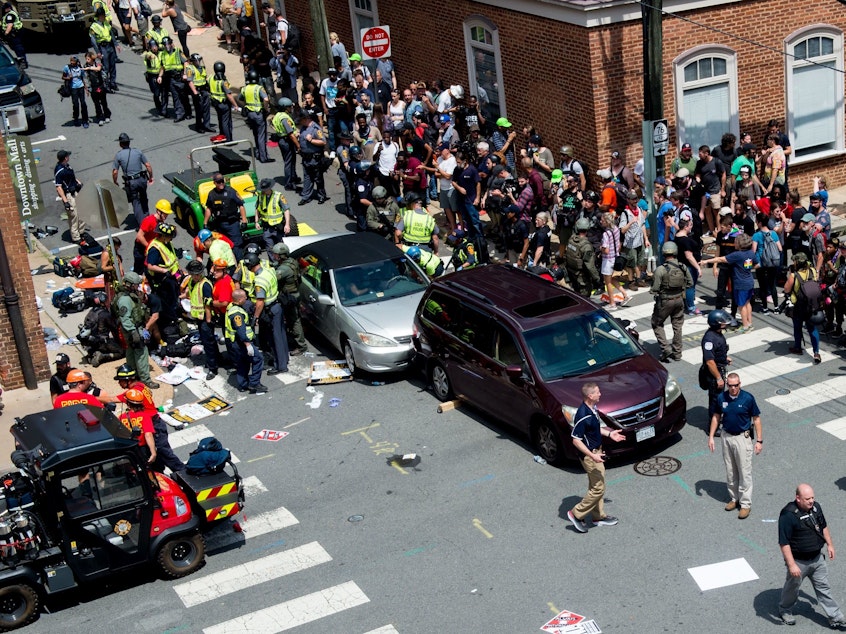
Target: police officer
{"x": 382, "y": 212}
{"x": 163, "y": 271}
{"x": 288, "y": 280}
{"x": 67, "y": 185}
{"x": 463, "y": 251}
{"x": 240, "y": 339}
{"x": 171, "y": 78}
{"x": 198, "y": 85}
{"x": 256, "y": 102}
{"x": 103, "y": 43}
{"x": 128, "y": 310}
{"x": 668, "y": 285}
{"x": 417, "y": 227}
{"x": 362, "y": 192}
{"x": 580, "y": 260}
{"x": 715, "y": 360}
{"x": 269, "y": 313}
{"x": 289, "y": 142}
{"x": 137, "y": 174}
{"x": 152, "y": 69}
{"x": 223, "y": 101}
{"x": 429, "y": 262}
{"x": 312, "y": 144}
{"x": 198, "y": 290}
{"x": 225, "y": 212}
{"x": 243, "y": 277}
{"x": 272, "y": 214}
{"x": 158, "y": 33}
{"x": 217, "y": 248}
{"x": 349, "y": 156}
{"x": 12, "y": 35}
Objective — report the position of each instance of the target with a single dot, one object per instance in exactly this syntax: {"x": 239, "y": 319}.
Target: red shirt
{"x": 148, "y": 227}
{"x": 414, "y": 168}
{"x": 149, "y": 403}
{"x": 75, "y": 397}
{"x": 139, "y": 422}
{"x": 222, "y": 292}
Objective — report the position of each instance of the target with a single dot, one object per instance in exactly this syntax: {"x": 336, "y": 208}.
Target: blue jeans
{"x": 690, "y": 293}
{"x": 813, "y": 333}
{"x": 474, "y": 224}
{"x": 335, "y": 125}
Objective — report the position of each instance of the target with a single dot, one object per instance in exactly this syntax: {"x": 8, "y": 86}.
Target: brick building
{"x": 11, "y": 375}
{"x": 574, "y": 70}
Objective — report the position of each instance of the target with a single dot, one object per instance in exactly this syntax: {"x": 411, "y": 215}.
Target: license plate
{"x": 645, "y": 433}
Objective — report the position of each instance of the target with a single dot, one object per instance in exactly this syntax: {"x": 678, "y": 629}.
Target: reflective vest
{"x": 198, "y": 302}
{"x": 102, "y": 33}
{"x": 17, "y": 25}
{"x": 248, "y": 278}
{"x": 172, "y": 60}
{"x": 228, "y": 330}
{"x": 271, "y": 209}
{"x": 277, "y": 124}
{"x": 152, "y": 63}
{"x": 430, "y": 262}
{"x": 158, "y": 35}
{"x": 169, "y": 260}
{"x": 220, "y": 250}
{"x": 218, "y": 89}
{"x": 417, "y": 227}
{"x": 266, "y": 279}
{"x": 200, "y": 77}
{"x": 252, "y": 97}
{"x": 463, "y": 256}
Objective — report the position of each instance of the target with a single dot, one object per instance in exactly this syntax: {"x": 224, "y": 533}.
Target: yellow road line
{"x": 478, "y": 524}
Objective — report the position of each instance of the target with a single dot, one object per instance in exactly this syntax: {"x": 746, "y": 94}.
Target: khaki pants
{"x": 674, "y": 309}
{"x": 737, "y": 454}
{"x": 75, "y": 223}
{"x": 593, "y": 503}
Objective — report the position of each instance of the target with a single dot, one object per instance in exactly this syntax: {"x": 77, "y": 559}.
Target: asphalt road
{"x": 473, "y": 537}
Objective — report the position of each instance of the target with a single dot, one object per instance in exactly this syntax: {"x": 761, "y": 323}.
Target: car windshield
{"x": 378, "y": 281}
{"x": 579, "y": 345}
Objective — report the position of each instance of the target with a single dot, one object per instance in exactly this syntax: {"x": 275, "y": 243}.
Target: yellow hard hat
{"x": 164, "y": 206}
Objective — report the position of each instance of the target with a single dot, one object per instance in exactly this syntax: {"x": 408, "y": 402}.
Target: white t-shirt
{"x": 444, "y": 101}
{"x": 388, "y": 158}
{"x": 447, "y": 166}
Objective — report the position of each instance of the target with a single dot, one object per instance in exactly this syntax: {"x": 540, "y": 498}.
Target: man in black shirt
{"x": 58, "y": 382}
{"x": 225, "y": 212}
{"x": 715, "y": 360}
{"x": 802, "y": 532}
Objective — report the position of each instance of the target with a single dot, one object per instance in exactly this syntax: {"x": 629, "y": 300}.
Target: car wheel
{"x": 548, "y": 441}
{"x": 181, "y": 556}
{"x": 18, "y": 606}
{"x": 440, "y": 382}
{"x": 349, "y": 356}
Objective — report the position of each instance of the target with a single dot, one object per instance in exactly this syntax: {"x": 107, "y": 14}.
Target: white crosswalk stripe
{"x": 738, "y": 343}
{"x": 290, "y": 614}
{"x": 191, "y": 435}
{"x": 254, "y": 526}
{"x": 836, "y": 428}
{"x": 251, "y": 573}
{"x": 812, "y": 394}
{"x": 691, "y": 326}
{"x": 385, "y": 629}
{"x": 778, "y": 367}
{"x": 252, "y": 486}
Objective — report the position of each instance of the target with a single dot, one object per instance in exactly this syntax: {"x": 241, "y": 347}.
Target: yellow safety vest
{"x": 17, "y": 25}
{"x": 159, "y": 35}
{"x": 252, "y": 97}
{"x": 248, "y": 279}
{"x": 266, "y": 279}
{"x": 463, "y": 256}
{"x": 102, "y": 33}
{"x": 429, "y": 261}
{"x": 199, "y": 77}
{"x": 232, "y": 313}
{"x": 218, "y": 89}
{"x": 169, "y": 260}
{"x": 417, "y": 227}
{"x": 198, "y": 302}
{"x": 152, "y": 63}
{"x": 172, "y": 61}
{"x": 277, "y": 120}
{"x": 271, "y": 209}
{"x": 219, "y": 249}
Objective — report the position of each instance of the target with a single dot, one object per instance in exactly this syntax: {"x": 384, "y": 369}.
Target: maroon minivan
{"x": 520, "y": 348}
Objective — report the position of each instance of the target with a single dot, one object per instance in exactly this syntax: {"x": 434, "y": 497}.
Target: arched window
{"x": 815, "y": 91}
{"x": 706, "y": 95}
{"x": 484, "y": 66}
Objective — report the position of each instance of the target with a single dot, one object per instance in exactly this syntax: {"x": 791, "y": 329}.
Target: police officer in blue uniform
{"x": 715, "y": 358}
{"x": 312, "y": 144}
{"x": 240, "y": 342}
{"x": 349, "y": 156}
{"x": 137, "y": 173}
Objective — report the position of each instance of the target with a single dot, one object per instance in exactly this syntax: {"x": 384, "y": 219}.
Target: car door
{"x": 510, "y": 399}
{"x": 470, "y": 350}
{"x": 315, "y": 281}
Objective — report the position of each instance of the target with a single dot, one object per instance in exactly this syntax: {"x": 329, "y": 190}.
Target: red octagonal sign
{"x": 376, "y": 42}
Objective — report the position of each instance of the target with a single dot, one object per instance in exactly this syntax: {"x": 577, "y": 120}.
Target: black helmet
{"x": 592, "y": 196}
{"x": 157, "y": 19}
{"x": 125, "y": 373}
{"x": 252, "y": 77}
{"x": 355, "y": 150}
{"x": 196, "y": 59}
{"x": 219, "y": 67}
{"x": 194, "y": 267}
{"x": 251, "y": 260}
{"x": 253, "y": 248}
{"x": 166, "y": 41}
{"x": 411, "y": 198}
{"x": 717, "y": 318}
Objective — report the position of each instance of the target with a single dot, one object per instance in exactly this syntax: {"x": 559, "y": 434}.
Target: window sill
{"x": 812, "y": 158}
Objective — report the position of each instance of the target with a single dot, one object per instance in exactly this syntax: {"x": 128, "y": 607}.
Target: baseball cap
{"x": 62, "y": 155}
{"x": 62, "y": 358}
{"x": 355, "y": 57}
{"x": 604, "y": 174}
{"x": 473, "y": 127}
{"x": 660, "y": 181}
{"x": 686, "y": 146}
{"x": 502, "y": 122}
{"x": 512, "y": 209}
{"x": 683, "y": 173}
{"x": 747, "y": 147}
{"x": 615, "y": 155}
{"x": 556, "y": 176}
{"x": 332, "y": 71}
{"x": 809, "y": 218}
{"x": 815, "y": 196}
{"x": 745, "y": 168}
{"x": 123, "y": 138}
{"x": 726, "y": 211}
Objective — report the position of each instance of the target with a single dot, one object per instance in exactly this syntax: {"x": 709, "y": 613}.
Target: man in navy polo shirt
{"x": 739, "y": 412}
{"x": 587, "y": 438}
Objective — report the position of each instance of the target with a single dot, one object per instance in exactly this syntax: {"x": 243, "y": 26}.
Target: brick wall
{"x": 585, "y": 86}
{"x": 11, "y": 376}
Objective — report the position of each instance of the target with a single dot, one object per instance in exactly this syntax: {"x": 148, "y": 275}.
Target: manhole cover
{"x": 355, "y": 518}
{"x": 782, "y": 391}
{"x": 658, "y": 466}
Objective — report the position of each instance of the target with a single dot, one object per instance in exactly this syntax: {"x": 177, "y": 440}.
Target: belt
{"x": 670, "y": 296}
{"x": 138, "y": 175}
{"x": 744, "y": 433}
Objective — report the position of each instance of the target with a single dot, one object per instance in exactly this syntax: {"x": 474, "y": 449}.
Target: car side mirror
{"x": 325, "y": 300}
{"x": 514, "y": 372}
{"x": 630, "y": 328}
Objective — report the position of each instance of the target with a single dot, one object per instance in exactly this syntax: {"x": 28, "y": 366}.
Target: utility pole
{"x": 653, "y": 101}
{"x": 320, "y": 29}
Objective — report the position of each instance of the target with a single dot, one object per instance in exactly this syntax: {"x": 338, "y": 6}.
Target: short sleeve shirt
{"x": 738, "y": 412}
{"x": 609, "y": 197}
{"x": 586, "y": 427}
{"x": 742, "y": 263}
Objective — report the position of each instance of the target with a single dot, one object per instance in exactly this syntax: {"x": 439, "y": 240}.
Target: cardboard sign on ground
{"x": 323, "y": 372}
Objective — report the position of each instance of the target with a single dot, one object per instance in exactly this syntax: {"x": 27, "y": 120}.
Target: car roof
{"x": 526, "y": 298}
{"x": 351, "y": 249}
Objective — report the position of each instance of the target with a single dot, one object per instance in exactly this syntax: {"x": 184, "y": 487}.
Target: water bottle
{"x": 377, "y": 383}
{"x": 539, "y": 460}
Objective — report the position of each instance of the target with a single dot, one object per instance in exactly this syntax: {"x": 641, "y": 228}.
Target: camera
{"x": 509, "y": 186}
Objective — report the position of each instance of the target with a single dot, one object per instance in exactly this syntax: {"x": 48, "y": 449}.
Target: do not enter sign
{"x": 376, "y": 42}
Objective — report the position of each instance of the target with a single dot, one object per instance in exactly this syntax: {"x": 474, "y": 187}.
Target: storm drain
{"x": 657, "y": 466}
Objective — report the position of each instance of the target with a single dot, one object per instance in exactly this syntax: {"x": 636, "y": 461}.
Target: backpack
{"x": 808, "y": 295}
{"x": 622, "y": 195}
{"x": 770, "y": 255}
{"x": 208, "y": 458}
{"x": 292, "y": 42}
{"x": 67, "y": 300}
{"x": 675, "y": 280}
{"x": 63, "y": 268}
{"x": 146, "y": 11}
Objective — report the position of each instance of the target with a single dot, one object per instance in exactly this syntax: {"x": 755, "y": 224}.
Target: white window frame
{"x": 470, "y": 45}
{"x": 694, "y": 55}
{"x": 355, "y": 12}
{"x": 824, "y": 30}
